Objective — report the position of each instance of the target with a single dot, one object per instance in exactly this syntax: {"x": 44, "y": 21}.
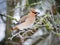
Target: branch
{"x": 4, "y": 21}
{"x": 10, "y": 17}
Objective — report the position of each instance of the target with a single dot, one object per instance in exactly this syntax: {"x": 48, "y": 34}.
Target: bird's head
{"x": 34, "y": 11}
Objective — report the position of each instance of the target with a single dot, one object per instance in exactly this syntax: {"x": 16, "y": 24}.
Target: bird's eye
{"x": 35, "y": 12}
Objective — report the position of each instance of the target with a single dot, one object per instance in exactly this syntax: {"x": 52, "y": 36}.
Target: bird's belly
{"x": 26, "y": 25}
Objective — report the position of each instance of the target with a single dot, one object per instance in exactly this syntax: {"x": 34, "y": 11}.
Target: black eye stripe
{"x": 35, "y": 12}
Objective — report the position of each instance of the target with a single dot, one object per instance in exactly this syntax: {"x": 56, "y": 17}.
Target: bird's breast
{"x": 31, "y": 20}
{"x": 27, "y": 24}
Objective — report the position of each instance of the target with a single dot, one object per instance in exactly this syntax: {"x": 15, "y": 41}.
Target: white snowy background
{"x": 2, "y": 25}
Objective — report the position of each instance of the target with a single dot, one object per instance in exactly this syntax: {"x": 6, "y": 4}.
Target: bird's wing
{"x": 23, "y": 19}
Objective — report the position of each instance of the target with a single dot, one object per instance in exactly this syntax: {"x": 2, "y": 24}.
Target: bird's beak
{"x": 38, "y": 13}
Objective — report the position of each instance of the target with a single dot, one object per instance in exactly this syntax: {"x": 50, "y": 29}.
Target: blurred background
{"x": 13, "y": 10}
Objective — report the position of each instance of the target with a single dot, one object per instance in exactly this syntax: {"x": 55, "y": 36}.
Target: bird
{"x": 26, "y": 21}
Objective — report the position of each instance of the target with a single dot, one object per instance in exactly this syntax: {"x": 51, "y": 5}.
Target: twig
{"x": 15, "y": 35}
{"x": 10, "y": 17}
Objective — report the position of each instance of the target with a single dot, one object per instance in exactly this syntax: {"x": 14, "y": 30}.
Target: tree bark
{"x": 10, "y": 6}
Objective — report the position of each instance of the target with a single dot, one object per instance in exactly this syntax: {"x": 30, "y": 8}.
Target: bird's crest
{"x": 33, "y": 10}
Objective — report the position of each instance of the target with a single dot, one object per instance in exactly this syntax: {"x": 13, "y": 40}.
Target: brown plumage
{"x": 27, "y": 20}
